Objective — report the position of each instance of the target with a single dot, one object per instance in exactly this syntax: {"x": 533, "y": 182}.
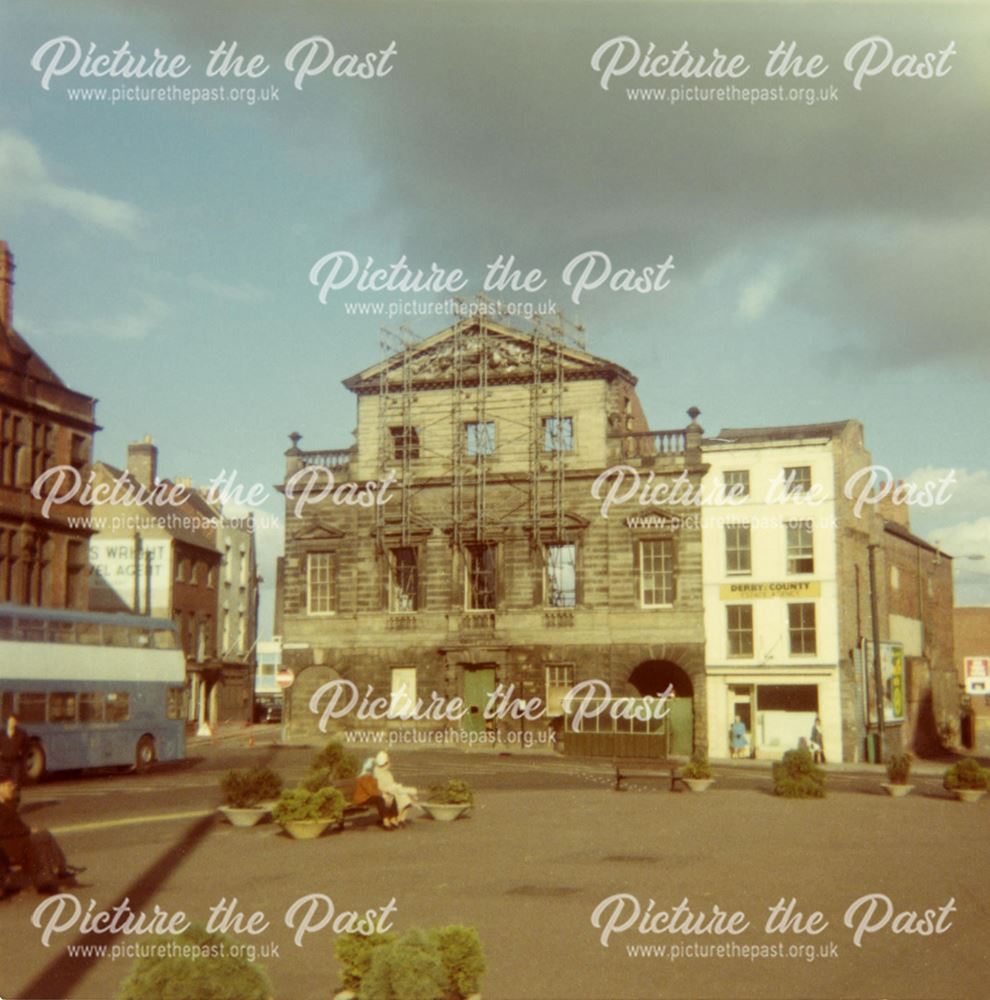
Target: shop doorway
{"x": 741, "y": 702}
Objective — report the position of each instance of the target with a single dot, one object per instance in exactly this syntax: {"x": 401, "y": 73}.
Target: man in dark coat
{"x": 35, "y": 850}
{"x": 13, "y": 750}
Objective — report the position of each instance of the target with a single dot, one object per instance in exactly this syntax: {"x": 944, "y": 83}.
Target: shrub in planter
{"x": 796, "y": 777}
{"x": 460, "y": 951}
{"x": 244, "y": 789}
{"x": 698, "y": 768}
{"x": 899, "y": 768}
{"x": 964, "y": 774}
{"x": 299, "y": 804}
{"x": 340, "y": 762}
{"x": 318, "y": 778}
{"x": 453, "y": 792}
{"x": 354, "y": 953}
{"x": 216, "y": 975}
{"x": 407, "y": 969}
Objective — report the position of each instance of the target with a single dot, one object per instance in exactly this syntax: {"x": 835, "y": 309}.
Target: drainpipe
{"x": 877, "y": 671}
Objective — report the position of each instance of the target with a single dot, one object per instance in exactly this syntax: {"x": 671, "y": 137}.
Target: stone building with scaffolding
{"x": 490, "y": 563}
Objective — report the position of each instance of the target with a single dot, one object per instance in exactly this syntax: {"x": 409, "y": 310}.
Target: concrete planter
{"x": 305, "y": 829}
{"x": 896, "y": 791}
{"x": 243, "y": 817}
{"x": 445, "y": 812}
{"x": 969, "y": 794}
{"x": 699, "y": 784}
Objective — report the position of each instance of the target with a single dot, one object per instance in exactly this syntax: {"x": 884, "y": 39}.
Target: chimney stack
{"x": 142, "y": 461}
{"x": 6, "y": 286}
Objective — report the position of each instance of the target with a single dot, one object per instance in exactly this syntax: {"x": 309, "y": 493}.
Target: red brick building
{"x": 972, "y": 639}
{"x": 43, "y": 424}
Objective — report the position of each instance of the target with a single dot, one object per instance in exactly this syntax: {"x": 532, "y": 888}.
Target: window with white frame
{"x": 479, "y": 438}
{"x": 403, "y": 579}
{"x": 560, "y": 679}
{"x": 736, "y": 483}
{"x": 739, "y": 622}
{"x": 558, "y": 434}
{"x": 738, "y": 549}
{"x": 656, "y": 572}
{"x": 800, "y": 547}
{"x": 801, "y": 626}
{"x": 797, "y": 479}
{"x": 320, "y": 581}
{"x": 480, "y": 565}
{"x": 403, "y": 700}
{"x": 560, "y": 576}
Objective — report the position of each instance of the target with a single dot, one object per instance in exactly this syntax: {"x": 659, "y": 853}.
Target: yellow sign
{"x": 755, "y": 591}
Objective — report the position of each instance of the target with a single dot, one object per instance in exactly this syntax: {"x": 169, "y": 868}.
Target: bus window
{"x": 91, "y": 706}
{"x": 6, "y": 705}
{"x": 118, "y": 707}
{"x": 163, "y": 638}
{"x": 116, "y": 635}
{"x": 61, "y": 631}
{"x": 31, "y": 707}
{"x": 89, "y": 634}
{"x": 61, "y": 707}
{"x": 174, "y": 704}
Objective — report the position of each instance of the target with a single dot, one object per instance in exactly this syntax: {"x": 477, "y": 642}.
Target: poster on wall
{"x": 892, "y": 678}
{"x": 508, "y": 414}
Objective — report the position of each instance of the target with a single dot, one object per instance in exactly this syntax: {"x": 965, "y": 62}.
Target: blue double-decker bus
{"x": 92, "y": 690}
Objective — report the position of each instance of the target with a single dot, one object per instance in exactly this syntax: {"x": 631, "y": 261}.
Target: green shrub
{"x": 318, "y": 778}
{"x": 210, "y": 976}
{"x": 452, "y": 792}
{"x": 796, "y": 777}
{"x": 464, "y": 961}
{"x": 698, "y": 768}
{"x": 354, "y": 952}
{"x": 244, "y": 789}
{"x": 965, "y": 773}
{"x": 899, "y": 768}
{"x": 407, "y": 969}
{"x": 301, "y": 804}
{"x": 340, "y": 762}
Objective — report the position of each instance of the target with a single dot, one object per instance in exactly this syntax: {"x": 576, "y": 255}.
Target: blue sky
{"x": 830, "y": 260}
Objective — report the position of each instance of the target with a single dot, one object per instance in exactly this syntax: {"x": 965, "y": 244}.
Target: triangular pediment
{"x": 472, "y": 351}
{"x": 319, "y": 532}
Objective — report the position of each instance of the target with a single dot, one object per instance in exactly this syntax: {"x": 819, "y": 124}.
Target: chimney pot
{"x": 6, "y": 285}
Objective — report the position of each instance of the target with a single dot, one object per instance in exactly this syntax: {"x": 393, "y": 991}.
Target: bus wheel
{"x": 34, "y": 762}
{"x": 144, "y": 756}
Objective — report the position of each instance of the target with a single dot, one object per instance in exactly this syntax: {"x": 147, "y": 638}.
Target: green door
{"x": 479, "y": 683}
{"x": 681, "y": 727}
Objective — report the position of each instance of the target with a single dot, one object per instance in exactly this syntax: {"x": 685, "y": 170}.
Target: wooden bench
{"x": 351, "y": 810}
{"x": 662, "y": 769}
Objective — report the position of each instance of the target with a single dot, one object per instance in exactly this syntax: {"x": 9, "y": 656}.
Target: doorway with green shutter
{"x": 479, "y": 683}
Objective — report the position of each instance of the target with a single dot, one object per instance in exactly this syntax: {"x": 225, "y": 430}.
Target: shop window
{"x": 560, "y": 576}
{"x": 560, "y": 679}
{"x": 801, "y": 622}
{"x": 403, "y": 579}
{"x": 739, "y": 619}
{"x": 738, "y": 549}
{"x": 481, "y": 570}
{"x": 656, "y": 572}
{"x": 800, "y": 547}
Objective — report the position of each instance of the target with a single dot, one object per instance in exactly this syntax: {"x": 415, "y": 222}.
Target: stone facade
{"x": 491, "y": 553}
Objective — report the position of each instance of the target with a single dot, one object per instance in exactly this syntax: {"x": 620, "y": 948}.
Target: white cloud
{"x": 136, "y": 323}
{"x": 25, "y": 182}
{"x": 759, "y": 294}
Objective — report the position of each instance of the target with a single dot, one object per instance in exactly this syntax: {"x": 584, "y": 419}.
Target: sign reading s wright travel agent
{"x": 470, "y": 476}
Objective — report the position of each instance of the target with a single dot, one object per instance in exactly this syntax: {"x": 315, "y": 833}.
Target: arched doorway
{"x": 651, "y": 679}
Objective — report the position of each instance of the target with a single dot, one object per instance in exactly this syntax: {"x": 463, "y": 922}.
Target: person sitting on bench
{"x": 366, "y": 791}
{"x": 35, "y": 850}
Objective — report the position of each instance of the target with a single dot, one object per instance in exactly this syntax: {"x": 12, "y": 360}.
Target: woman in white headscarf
{"x": 391, "y": 790}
